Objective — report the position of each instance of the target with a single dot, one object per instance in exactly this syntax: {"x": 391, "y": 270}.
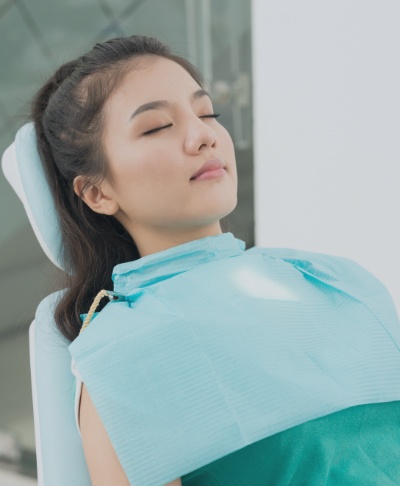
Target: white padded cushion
{"x": 23, "y": 169}
{"x": 78, "y": 391}
{"x": 60, "y": 456}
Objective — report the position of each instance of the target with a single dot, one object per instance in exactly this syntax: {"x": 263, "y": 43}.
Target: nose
{"x": 199, "y": 136}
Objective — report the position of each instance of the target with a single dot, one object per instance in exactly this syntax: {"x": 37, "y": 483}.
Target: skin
{"x": 150, "y": 192}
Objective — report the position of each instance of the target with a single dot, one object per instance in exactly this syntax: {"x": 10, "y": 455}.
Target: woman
{"x": 141, "y": 173}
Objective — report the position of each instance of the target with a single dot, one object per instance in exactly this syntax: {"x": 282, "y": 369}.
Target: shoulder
{"x": 338, "y": 271}
{"x": 334, "y": 266}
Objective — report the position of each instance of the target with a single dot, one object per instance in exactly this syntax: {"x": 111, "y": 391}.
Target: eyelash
{"x": 154, "y": 130}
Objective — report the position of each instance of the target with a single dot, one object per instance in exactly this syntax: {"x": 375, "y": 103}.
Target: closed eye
{"x": 155, "y": 130}
{"x": 212, "y": 115}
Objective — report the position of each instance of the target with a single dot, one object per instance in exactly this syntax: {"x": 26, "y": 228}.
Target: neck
{"x": 154, "y": 240}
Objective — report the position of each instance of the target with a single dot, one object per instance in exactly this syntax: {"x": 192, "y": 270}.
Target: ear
{"x": 96, "y": 196}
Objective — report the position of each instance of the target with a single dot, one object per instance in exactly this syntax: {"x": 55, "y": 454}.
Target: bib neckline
{"x": 165, "y": 264}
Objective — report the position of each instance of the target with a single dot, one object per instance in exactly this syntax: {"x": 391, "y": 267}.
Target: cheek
{"x": 226, "y": 140}
{"x": 151, "y": 176}
{"x": 158, "y": 167}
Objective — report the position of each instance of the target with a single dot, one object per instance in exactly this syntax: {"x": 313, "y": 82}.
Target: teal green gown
{"x": 358, "y": 446}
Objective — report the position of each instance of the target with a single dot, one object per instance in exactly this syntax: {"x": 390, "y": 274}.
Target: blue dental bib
{"x": 215, "y": 347}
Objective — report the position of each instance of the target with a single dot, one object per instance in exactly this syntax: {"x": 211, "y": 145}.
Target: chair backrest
{"x": 59, "y": 451}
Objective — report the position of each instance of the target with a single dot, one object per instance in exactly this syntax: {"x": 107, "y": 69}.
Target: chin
{"x": 224, "y": 210}
{"x": 207, "y": 209}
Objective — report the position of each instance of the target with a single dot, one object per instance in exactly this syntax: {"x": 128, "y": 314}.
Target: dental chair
{"x": 59, "y": 451}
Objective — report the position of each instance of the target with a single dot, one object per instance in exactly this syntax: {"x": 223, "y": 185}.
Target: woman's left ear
{"x": 95, "y": 196}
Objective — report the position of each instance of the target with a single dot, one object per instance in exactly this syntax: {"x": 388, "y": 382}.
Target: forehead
{"x": 153, "y": 79}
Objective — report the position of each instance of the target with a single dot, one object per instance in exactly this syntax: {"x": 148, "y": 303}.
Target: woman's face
{"x": 158, "y": 132}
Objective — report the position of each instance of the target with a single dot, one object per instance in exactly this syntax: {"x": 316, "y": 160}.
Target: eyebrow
{"x": 160, "y": 104}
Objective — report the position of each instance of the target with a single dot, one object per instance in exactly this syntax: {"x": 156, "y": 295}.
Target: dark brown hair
{"x": 68, "y": 116}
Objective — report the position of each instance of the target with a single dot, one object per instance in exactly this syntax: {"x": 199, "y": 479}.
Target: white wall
{"x": 327, "y": 129}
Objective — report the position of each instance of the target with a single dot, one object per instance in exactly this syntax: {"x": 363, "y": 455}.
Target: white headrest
{"x": 23, "y": 169}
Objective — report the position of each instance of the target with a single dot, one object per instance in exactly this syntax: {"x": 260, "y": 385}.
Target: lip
{"x": 210, "y": 165}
